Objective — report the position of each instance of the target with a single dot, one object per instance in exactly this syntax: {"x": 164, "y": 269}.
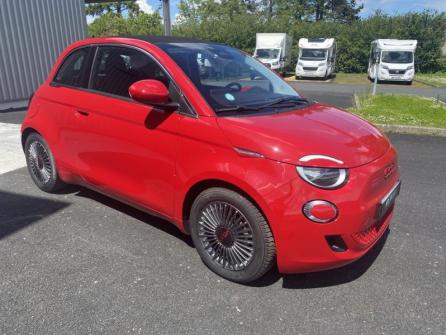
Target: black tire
{"x": 409, "y": 82}
{"x": 41, "y": 164}
{"x": 246, "y": 227}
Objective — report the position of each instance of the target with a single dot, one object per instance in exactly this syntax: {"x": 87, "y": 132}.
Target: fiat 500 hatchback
{"x": 215, "y": 142}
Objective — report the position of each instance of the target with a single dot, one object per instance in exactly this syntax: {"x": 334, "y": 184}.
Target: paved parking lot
{"x": 81, "y": 263}
{"x": 341, "y": 95}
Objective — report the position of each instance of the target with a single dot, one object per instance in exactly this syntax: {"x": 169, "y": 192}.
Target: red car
{"x": 215, "y": 142}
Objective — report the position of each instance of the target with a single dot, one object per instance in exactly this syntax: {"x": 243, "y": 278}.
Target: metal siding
{"x": 32, "y": 35}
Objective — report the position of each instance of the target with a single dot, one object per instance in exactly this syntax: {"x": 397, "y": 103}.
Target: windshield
{"x": 227, "y": 78}
{"x": 267, "y": 53}
{"x": 400, "y": 57}
{"x": 313, "y": 54}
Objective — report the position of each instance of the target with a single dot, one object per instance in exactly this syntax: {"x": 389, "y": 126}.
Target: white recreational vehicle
{"x": 317, "y": 57}
{"x": 392, "y": 60}
{"x": 274, "y": 50}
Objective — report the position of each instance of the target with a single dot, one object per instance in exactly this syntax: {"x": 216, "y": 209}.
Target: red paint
{"x": 109, "y": 147}
{"x": 149, "y": 91}
{"x": 324, "y": 212}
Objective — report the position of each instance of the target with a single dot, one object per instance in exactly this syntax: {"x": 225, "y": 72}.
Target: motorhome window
{"x": 397, "y": 57}
{"x": 313, "y": 54}
{"x": 268, "y": 53}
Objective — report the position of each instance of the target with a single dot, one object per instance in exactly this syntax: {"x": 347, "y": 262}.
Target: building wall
{"x": 32, "y": 35}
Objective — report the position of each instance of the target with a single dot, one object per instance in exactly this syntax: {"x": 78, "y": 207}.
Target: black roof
{"x": 167, "y": 39}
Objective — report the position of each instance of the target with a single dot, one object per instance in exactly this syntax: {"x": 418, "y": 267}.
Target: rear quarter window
{"x": 75, "y": 69}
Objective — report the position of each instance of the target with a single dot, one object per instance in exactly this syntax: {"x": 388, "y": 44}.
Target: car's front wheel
{"x": 41, "y": 165}
{"x": 231, "y": 235}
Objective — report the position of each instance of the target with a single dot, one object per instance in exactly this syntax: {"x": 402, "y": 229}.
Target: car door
{"x": 128, "y": 149}
{"x": 67, "y": 88}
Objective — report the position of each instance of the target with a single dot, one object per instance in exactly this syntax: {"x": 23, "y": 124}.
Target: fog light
{"x": 320, "y": 211}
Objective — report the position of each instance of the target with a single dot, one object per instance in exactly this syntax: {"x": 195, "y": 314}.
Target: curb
{"x": 412, "y": 130}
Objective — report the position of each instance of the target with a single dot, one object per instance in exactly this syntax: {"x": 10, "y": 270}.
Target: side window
{"x": 74, "y": 69}
{"x": 117, "y": 68}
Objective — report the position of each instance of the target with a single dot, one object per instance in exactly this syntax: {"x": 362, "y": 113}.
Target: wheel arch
{"x": 25, "y": 133}
{"x": 202, "y": 185}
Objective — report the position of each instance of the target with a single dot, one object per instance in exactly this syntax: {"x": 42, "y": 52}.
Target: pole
{"x": 166, "y": 18}
{"x": 375, "y": 82}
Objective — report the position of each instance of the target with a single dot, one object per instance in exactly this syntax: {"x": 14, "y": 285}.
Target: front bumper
{"x": 302, "y": 245}
{"x": 318, "y": 72}
{"x": 384, "y": 75}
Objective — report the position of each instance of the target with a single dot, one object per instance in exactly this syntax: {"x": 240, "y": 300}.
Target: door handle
{"x": 83, "y": 113}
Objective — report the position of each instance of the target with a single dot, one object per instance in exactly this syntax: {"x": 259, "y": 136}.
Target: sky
{"x": 391, "y": 7}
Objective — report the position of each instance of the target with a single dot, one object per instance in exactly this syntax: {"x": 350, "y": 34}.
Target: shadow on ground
{"x": 327, "y": 278}
{"x": 154, "y": 221}
{"x": 18, "y": 211}
{"x": 339, "y": 276}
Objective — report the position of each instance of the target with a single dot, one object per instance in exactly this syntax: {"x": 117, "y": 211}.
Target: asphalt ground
{"x": 341, "y": 95}
{"x": 81, "y": 263}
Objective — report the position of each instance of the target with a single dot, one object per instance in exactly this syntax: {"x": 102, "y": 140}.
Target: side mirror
{"x": 152, "y": 92}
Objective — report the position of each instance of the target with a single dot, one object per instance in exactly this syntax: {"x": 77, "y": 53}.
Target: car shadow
{"x": 311, "y": 280}
{"x": 390, "y": 83}
{"x": 137, "y": 214}
{"x": 17, "y": 211}
{"x": 327, "y": 278}
{"x": 316, "y": 79}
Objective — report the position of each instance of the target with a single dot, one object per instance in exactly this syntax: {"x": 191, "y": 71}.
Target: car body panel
{"x": 314, "y": 130}
{"x": 152, "y": 159}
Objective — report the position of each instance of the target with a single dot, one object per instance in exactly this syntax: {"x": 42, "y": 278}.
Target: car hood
{"x": 316, "y": 131}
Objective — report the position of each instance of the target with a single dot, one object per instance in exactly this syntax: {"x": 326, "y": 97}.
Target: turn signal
{"x": 320, "y": 211}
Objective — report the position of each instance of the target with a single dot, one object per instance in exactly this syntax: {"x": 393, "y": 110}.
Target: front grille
{"x": 397, "y": 71}
{"x": 366, "y": 237}
{"x": 310, "y": 68}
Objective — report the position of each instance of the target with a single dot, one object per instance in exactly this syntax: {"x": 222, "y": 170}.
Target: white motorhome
{"x": 317, "y": 57}
{"x": 274, "y": 50}
{"x": 392, "y": 60}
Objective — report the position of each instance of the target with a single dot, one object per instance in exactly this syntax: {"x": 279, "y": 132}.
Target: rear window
{"x": 74, "y": 69}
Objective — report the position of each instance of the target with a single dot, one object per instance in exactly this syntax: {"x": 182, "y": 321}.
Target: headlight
{"x": 410, "y": 67}
{"x": 300, "y": 64}
{"x": 385, "y": 67}
{"x": 321, "y": 64}
{"x": 323, "y": 177}
{"x": 275, "y": 63}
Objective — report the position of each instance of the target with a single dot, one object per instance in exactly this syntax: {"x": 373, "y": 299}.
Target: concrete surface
{"x": 11, "y": 154}
{"x": 81, "y": 263}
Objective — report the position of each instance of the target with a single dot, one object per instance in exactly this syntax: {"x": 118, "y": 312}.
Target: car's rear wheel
{"x": 231, "y": 235}
{"x": 41, "y": 165}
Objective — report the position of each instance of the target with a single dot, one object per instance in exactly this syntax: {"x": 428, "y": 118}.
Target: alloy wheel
{"x": 226, "y": 235}
{"x": 40, "y": 162}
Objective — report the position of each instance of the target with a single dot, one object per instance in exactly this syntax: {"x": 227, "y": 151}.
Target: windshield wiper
{"x": 285, "y": 100}
{"x": 281, "y": 101}
{"x": 236, "y": 108}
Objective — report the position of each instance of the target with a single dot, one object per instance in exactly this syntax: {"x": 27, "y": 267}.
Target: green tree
{"x": 344, "y": 11}
{"x": 110, "y": 24}
{"x": 294, "y": 10}
{"x": 116, "y": 7}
